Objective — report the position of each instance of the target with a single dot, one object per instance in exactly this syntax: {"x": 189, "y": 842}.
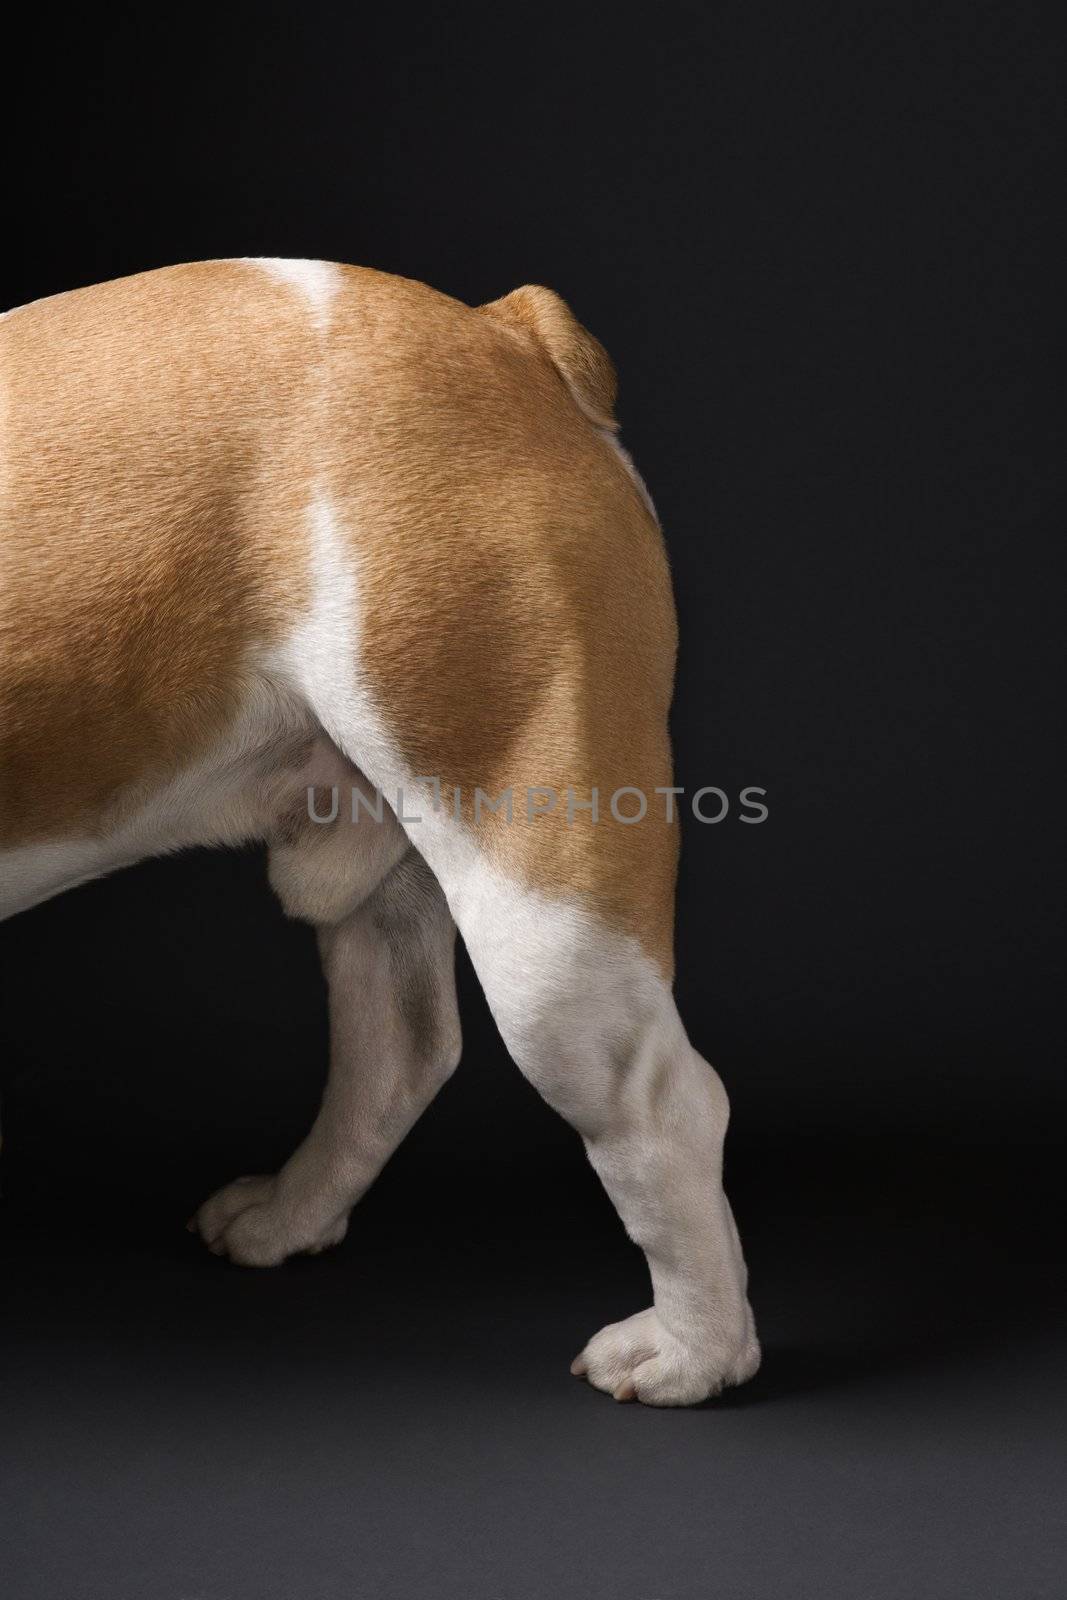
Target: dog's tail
{"x": 581, "y": 361}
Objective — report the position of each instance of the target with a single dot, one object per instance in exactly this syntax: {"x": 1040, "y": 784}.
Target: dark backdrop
{"x": 818, "y": 242}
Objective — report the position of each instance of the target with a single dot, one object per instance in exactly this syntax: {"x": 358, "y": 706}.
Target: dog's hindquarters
{"x": 406, "y": 517}
{"x": 508, "y": 626}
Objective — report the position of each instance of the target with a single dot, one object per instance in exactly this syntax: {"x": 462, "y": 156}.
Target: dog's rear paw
{"x": 639, "y": 1359}
{"x": 250, "y": 1222}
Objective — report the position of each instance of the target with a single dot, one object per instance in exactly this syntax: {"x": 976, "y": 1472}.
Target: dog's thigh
{"x": 333, "y": 840}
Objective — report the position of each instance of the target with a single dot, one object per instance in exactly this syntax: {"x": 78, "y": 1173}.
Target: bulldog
{"x": 280, "y": 531}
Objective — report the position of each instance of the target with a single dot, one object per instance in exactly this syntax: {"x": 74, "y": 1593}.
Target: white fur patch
{"x": 316, "y": 281}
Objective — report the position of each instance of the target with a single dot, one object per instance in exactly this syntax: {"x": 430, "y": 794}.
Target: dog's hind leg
{"x": 394, "y": 1038}
{"x": 591, "y": 1021}
{"x": 489, "y": 628}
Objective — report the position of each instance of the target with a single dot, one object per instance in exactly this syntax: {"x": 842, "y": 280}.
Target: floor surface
{"x": 397, "y": 1419}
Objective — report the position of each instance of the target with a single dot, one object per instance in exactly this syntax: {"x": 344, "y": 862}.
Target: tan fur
{"x": 548, "y": 322}
{"x": 154, "y": 458}
{"x": 164, "y": 437}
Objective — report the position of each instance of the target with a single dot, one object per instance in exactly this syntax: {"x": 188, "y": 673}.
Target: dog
{"x": 281, "y": 532}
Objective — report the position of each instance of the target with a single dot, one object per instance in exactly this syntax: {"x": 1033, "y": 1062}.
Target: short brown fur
{"x": 165, "y": 437}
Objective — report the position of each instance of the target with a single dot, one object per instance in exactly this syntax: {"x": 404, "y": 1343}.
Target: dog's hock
{"x": 581, "y": 361}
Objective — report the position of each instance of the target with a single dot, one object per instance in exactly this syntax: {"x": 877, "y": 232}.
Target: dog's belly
{"x": 36, "y": 872}
{"x": 273, "y": 776}
{"x": 224, "y": 813}
{"x": 235, "y": 792}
